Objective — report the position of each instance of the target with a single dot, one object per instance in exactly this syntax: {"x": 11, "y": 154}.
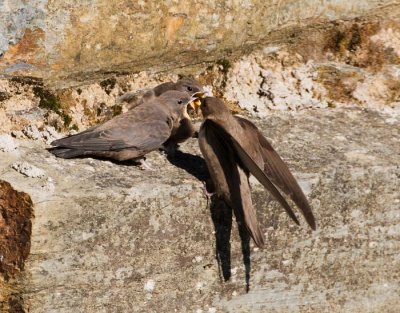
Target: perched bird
{"x": 136, "y": 98}
{"x": 234, "y": 148}
{"x": 182, "y": 130}
{"x": 130, "y": 135}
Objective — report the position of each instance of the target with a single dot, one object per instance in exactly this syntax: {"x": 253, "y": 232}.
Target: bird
{"x": 130, "y": 135}
{"x": 136, "y": 98}
{"x": 182, "y": 130}
{"x": 233, "y": 148}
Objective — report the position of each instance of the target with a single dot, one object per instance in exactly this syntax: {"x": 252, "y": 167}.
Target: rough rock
{"x": 67, "y": 42}
{"x": 28, "y": 170}
{"x": 353, "y": 62}
{"x": 7, "y": 143}
{"x": 110, "y": 237}
{"x": 15, "y": 223}
{"x": 16, "y": 212}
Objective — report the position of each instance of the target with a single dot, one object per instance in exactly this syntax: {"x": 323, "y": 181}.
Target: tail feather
{"x": 65, "y": 153}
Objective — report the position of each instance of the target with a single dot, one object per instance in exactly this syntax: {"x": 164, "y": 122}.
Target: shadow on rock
{"x": 221, "y": 215}
{"x": 193, "y": 164}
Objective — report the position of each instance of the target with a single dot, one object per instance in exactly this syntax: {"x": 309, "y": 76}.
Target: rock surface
{"x": 16, "y": 212}
{"x": 68, "y": 42}
{"x": 111, "y": 238}
{"x": 354, "y": 62}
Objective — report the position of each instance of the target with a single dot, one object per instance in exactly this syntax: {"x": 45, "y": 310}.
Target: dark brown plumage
{"x": 234, "y": 148}
{"x": 130, "y": 135}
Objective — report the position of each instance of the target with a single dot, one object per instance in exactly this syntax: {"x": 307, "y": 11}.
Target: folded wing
{"x": 279, "y": 174}
{"x": 253, "y": 168}
{"x": 229, "y": 177}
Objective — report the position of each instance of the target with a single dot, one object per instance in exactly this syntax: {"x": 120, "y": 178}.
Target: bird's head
{"x": 213, "y": 106}
{"x": 177, "y": 100}
{"x": 193, "y": 88}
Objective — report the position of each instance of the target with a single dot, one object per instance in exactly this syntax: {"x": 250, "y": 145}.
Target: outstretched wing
{"x": 279, "y": 174}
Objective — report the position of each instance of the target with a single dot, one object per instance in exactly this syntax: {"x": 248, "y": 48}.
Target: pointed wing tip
{"x": 312, "y": 225}
{"x": 310, "y": 219}
{"x": 259, "y": 243}
{"x": 54, "y": 143}
{"x": 291, "y": 214}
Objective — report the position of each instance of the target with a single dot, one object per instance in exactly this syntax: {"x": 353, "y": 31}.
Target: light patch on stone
{"x": 389, "y": 38}
{"x": 306, "y": 182}
{"x": 373, "y": 91}
{"x": 361, "y": 157}
{"x": 135, "y": 193}
{"x": 356, "y": 214}
{"x": 48, "y": 185}
{"x": 155, "y": 223}
{"x": 28, "y": 170}
{"x": 260, "y": 85}
{"x": 198, "y": 259}
{"x": 149, "y": 285}
{"x": 200, "y": 285}
{"x": 7, "y": 143}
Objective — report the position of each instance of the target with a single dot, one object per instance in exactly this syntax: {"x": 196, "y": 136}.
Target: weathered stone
{"x": 67, "y": 42}
{"x": 354, "y": 62}
{"x": 111, "y": 237}
{"x": 16, "y": 213}
{"x": 28, "y": 170}
{"x": 15, "y": 225}
{"x": 7, "y": 143}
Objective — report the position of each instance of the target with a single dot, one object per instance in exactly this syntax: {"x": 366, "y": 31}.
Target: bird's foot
{"x": 144, "y": 166}
{"x": 207, "y": 193}
{"x": 169, "y": 150}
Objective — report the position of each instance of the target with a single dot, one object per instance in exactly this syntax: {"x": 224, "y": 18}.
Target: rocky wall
{"x": 69, "y": 43}
{"x": 320, "y": 78}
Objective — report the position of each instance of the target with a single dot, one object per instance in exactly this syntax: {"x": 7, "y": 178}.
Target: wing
{"x": 255, "y": 170}
{"x": 229, "y": 178}
{"x": 144, "y": 130}
{"x": 132, "y": 96}
{"x": 278, "y": 172}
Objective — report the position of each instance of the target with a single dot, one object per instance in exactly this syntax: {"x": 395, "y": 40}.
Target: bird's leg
{"x": 206, "y": 192}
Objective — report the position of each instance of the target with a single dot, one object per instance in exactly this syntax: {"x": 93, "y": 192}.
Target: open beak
{"x": 196, "y": 102}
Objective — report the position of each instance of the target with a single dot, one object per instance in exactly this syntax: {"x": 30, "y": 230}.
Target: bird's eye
{"x": 180, "y": 101}
{"x": 189, "y": 88}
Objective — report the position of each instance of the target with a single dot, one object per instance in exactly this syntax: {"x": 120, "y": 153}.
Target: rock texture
{"x": 15, "y": 223}
{"x": 110, "y": 238}
{"x": 16, "y": 212}
{"x": 354, "y": 62}
{"x": 67, "y": 42}
{"x": 320, "y": 78}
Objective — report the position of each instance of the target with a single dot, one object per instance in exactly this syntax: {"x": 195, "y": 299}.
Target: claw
{"x": 207, "y": 193}
{"x": 144, "y": 166}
